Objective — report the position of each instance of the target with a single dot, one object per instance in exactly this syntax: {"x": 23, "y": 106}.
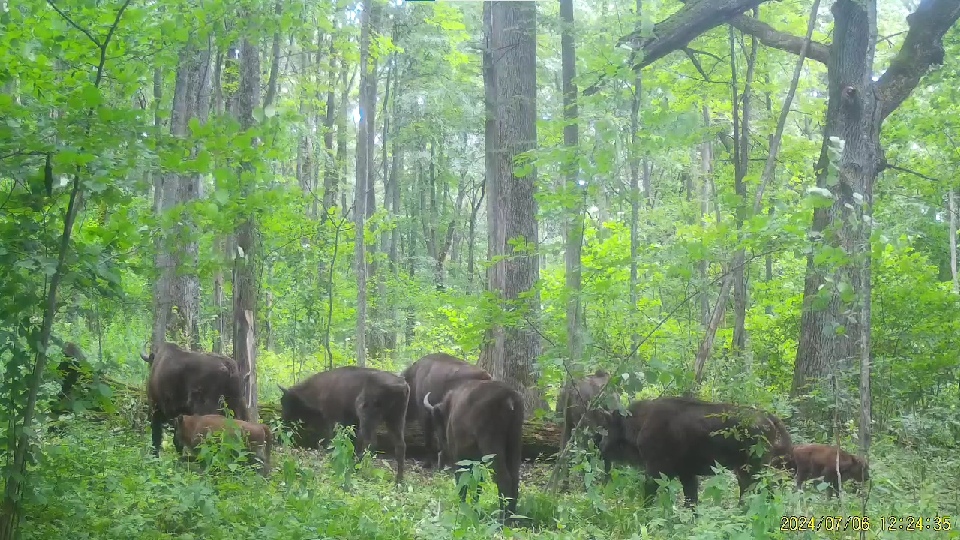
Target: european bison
{"x": 436, "y": 374}
{"x": 478, "y": 418}
{"x": 190, "y": 382}
{"x": 683, "y": 437}
{"x": 191, "y": 430}
{"x": 820, "y": 461}
{"x": 573, "y": 403}
{"x": 360, "y": 397}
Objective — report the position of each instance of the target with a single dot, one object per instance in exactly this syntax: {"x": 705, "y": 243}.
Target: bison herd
{"x": 465, "y": 414}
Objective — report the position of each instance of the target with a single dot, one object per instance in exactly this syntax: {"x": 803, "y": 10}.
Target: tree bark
{"x": 574, "y": 229}
{"x": 245, "y": 286}
{"x": 741, "y": 163}
{"x": 177, "y": 289}
{"x": 635, "y": 188}
{"x": 952, "y": 209}
{"x": 364, "y": 139}
{"x": 706, "y": 170}
{"x": 510, "y": 31}
{"x": 330, "y": 168}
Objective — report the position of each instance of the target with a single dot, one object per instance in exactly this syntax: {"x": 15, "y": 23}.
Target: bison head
{"x": 858, "y": 469}
{"x": 438, "y": 417}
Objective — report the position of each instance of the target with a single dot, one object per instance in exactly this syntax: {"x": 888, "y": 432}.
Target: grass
{"x": 98, "y": 480}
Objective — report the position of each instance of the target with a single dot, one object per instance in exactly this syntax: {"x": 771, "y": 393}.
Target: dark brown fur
{"x": 190, "y": 382}
{"x": 436, "y": 374}
{"x": 683, "y": 437}
{"x": 820, "y": 461}
{"x": 573, "y": 402}
{"x": 359, "y": 397}
{"x": 191, "y": 430}
{"x": 478, "y": 418}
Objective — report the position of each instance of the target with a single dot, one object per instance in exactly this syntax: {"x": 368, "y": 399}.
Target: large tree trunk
{"x": 510, "y": 57}
{"x": 361, "y": 197}
{"x": 245, "y": 286}
{"x": 829, "y": 329}
{"x": 177, "y": 289}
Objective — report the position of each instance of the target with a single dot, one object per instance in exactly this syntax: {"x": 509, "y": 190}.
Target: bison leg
{"x": 429, "y": 442}
{"x": 396, "y": 429}
{"x": 156, "y": 428}
{"x": 744, "y": 480}
{"x": 691, "y": 487}
{"x": 507, "y": 486}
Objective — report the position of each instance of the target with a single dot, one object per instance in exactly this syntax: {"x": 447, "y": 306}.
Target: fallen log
{"x": 541, "y": 439}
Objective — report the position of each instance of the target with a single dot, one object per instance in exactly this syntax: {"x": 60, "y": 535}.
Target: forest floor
{"x": 97, "y": 479}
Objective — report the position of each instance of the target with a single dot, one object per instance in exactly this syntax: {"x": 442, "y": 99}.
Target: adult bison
{"x": 436, "y": 374}
{"x": 822, "y": 461}
{"x": 360, "y": 397}
{"x": 574, "y": 403}
{"x": 191, "y": 430}
{"x": 190, "y": 382}
{"x": 683, "y": 437}
{"x": 478, "y": 418}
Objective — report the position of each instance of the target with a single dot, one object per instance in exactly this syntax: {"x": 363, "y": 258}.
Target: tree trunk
{"x": 330, "y": 168}
{"x": 574, "y": 229}
{"x": 177, "y": 289}
{"x": 245, "y": 286}
{"x": 741, "y": 160}
{"x": 706, "y": 169}
{"x": 364, "y": 139}
{"x": 510, "y": 31}
{"x": 952, "y": 208}
{"x": 635, "y": 188}
{"x": 829, "y": 331}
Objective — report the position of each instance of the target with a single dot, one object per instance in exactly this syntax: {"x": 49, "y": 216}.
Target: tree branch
{"x": 921, "y": 50}
{"x": 674, "y": 32}
{"x": 73, "y": 24}
{"x": 773, "y": 38}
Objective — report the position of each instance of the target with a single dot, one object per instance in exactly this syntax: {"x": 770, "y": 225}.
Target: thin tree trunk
{"x": 330, "y": 169}
{"x": 706, "y": 170}
{"x": 741, "y": 163}
{"x": 366, "y": 126}
{"x": 635, "y": 188}
{"x": 952, "y": 206}
{"x": 245, "y": 286}
{"x": 571, "y": 140}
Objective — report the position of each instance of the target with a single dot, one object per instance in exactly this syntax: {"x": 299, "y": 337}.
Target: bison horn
{"x": 282, "y": 389}
{"x": 426, "y": 402}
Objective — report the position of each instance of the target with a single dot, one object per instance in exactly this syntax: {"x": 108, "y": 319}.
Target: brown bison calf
{"x": 435, "y": 374}
{"x": 478, "y": 418}
{"x": 191, "y": 430}
{"x": 683, "y": 437}
{"x": 360, "y": 397}
{"x": 821, "y": 461}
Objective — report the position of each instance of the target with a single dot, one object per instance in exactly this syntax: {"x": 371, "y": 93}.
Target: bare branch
{"x": 75, "y": 25}
{"x": 921, "y": 50}
{"x": 915, "y": 173}
{"x": 771, "y": 37}
{"x": 674, "y": 32}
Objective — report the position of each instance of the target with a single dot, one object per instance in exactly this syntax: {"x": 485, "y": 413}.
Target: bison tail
{"x": 267, "y": 449}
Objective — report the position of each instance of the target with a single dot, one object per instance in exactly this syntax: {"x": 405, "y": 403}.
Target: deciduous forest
{"x": 578, "y": 253}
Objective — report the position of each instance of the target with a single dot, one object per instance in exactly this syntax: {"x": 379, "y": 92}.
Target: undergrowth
{"x": 98, "y": 480}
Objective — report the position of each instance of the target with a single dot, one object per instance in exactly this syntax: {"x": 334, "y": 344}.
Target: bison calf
{"x": 479, "y": 418}
{"x": 683, "y": 437}
{"x": 191, "y": 430}
{"x": 355, "y": 396}
{"x": 821, "y": 461}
